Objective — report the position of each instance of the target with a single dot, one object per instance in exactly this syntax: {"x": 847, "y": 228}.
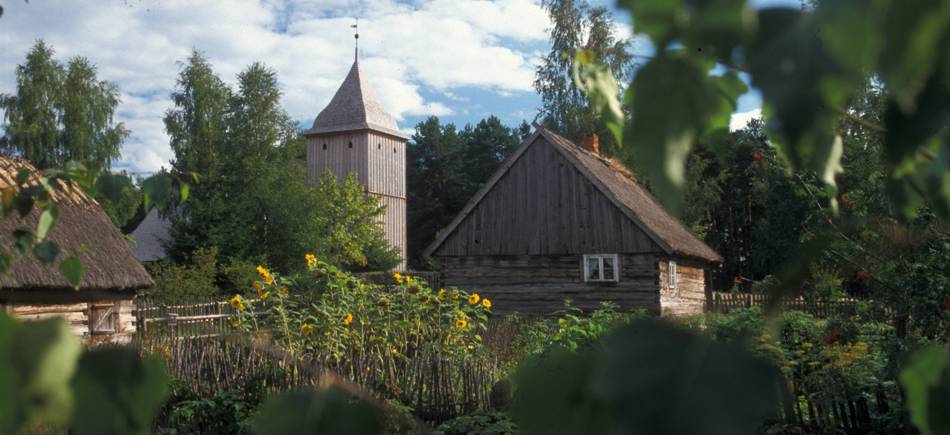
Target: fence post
{"x": 173, "y": 324}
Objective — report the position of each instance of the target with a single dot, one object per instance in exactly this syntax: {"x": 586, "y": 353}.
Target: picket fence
{"x": 724, "y": 302}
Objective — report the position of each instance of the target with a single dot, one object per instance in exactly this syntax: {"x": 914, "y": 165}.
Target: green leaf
{"x": 856, "y": 43}
{"x": 48, "y": 218}
{"x": 36, "y": 364}
{"x": 601, "y": 88}
{"x": 71, "y": 268}
{"x": 46, "y": 252}
{"x": 157, "y": 190}
{"x": 22, "y": 241}
{"x": 674, "y": 101}
{"x": 23, "y": 202}
{"x": 185, "y": 192}
{"x": 707, "y": 27}
{"x": 117, "y": 392}
{"x": 926, "y": 381}
{"x": 5, "y": 261}
{"x": 913, "y": 30}
{"x": 643, "y": 379}
{"x": 326, "y": 411}
{"x": 22, "y": 175}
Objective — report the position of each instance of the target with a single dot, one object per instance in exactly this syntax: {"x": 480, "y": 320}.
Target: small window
{"x": 102, "y": 318}
{"x": 324, "y": 146}
{"x": 351, "y": 145}
{"x": 671, "y": 271}
{"x": 379, "y": 146}
{"x": 601, "y": 268}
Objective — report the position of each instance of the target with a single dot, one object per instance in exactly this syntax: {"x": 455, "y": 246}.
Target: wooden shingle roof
{"x": 616, "y": 183}
{"x": 150, "y": 236}
{"x": 83, "y": 229}
{"x": 354, "y": 107}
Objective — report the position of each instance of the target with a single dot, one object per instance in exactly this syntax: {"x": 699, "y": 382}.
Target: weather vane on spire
{"x": 356, "y": 37}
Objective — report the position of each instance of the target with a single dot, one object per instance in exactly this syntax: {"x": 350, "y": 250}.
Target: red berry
{"x": 864, "y": 275}
{"x": 757, "y": 156}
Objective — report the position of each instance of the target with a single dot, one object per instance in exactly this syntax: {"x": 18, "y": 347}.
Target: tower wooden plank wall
{"x": 380, "y": 162}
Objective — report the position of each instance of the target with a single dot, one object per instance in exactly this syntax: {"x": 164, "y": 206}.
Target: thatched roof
{"x": 615, "y": 182}
{"x": 354, "y": 107}
{"x": 150, "y": 236}
{"x": 83, "y": 229}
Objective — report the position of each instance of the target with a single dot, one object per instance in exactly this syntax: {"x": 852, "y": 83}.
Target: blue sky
{"x": 459, "y": 60}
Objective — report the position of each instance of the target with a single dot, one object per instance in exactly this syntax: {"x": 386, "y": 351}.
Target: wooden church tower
{"x": 354, "y": 134}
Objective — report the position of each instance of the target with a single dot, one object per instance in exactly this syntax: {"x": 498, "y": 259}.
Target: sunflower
{"x": 307, "y": 329}
{"x": 265, "y": 275}
{"x": 237, "y": 303}
{"x": 441, "y": 294}
{"x": 486, "y": 303}
{"x": 397, "y": 277}
{"x": 258, "y": 286}
{"x": 348, "y": 319}
{"x": 461, "y": 323}
{"x": 473, "y": 298}
{"x": 311, "y": 260}
{"x": 408, "y": 280}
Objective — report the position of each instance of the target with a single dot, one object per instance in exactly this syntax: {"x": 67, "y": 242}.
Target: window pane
{"x": 672, "y": 273}
{"x": 593, "y": 268}
{"x": 609, "y": 266}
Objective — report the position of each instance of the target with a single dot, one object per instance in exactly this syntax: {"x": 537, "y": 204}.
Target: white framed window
{"x": 671, "y": 271}
{"x": 601, "y": 268}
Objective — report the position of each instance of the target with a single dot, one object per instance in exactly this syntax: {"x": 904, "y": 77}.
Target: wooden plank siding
{"x": 541, "y": 283}
{"x": 380, "y": 162}
{"x": 544, "y": 206}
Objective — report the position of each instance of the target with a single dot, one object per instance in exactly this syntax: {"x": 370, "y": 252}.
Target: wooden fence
{"x": 725, "y": 302}
{"x": 436, "y": 386}
{"x": 203, "y": 319}
{"x": 858, "y": 413}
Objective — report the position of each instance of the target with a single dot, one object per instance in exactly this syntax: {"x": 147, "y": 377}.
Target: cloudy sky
{"x": 459, "y": 60}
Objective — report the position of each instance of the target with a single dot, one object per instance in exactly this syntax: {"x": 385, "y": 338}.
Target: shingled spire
{"x": 355, "y": 107}
{"x": 353, "y": 134}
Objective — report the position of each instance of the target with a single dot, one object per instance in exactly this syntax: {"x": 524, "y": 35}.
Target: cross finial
{"x": 356, "y": 38}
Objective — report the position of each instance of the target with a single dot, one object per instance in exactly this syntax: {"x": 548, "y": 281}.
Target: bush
{"x": 480, "y": 424}
{"x": 188, "y": 283}
{"x": 186, "y": 412}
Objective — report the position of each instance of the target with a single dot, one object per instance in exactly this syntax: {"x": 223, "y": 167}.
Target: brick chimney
{"x": 590, "y": 143}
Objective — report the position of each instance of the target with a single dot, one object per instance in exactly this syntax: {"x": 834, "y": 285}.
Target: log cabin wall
{"x": 689, "y": 296}
{"x": 117, "y": 325}
{"x": 540, "y": 284}
{"x": 544, "y": 206}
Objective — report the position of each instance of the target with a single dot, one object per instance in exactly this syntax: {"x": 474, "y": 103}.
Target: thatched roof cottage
{"x": 559, "y": 221}
{"x": 101, "y": 310}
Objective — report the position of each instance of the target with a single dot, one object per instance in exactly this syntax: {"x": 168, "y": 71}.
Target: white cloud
{"x": 434, "y": 46}
{"x": 738, "y": 120}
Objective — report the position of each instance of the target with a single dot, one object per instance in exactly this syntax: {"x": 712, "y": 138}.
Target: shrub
{"x": 480, "y": 424}
{"x": 572, "y": 328}
{"x": 188, "y": 283}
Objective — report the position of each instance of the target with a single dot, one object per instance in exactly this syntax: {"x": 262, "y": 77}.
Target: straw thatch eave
{"x": 83, "y": 229}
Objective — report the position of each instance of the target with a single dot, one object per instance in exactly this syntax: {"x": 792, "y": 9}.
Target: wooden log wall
{"x": 540, "y": 284}
{"x": 118, "y": 328}
{"x": 689, "y": 296}
{"x": 544, "y": 206}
